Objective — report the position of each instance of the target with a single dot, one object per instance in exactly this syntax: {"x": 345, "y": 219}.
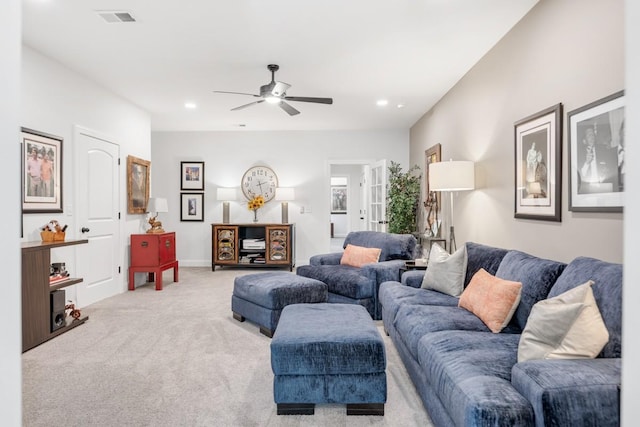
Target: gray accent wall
{"x": 563, "y": 51}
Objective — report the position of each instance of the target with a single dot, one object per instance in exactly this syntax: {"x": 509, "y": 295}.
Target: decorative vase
{"x": 255, "y": 215}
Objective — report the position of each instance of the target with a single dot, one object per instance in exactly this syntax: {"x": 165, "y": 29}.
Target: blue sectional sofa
{"x": 468, "y": 376}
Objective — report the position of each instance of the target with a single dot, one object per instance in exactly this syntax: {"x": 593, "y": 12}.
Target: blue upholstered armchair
{"x": 359, "y": 285}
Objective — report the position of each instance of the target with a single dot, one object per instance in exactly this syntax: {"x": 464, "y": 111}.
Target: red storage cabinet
{"x": 153, "y": 253}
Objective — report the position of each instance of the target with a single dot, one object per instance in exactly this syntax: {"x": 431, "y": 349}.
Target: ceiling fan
{"x": 275, "y": 92}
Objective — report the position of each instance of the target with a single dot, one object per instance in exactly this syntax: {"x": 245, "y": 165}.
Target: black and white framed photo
{"x": 339, "y": 199}
{"x": 191, "y": 206}
{"x": 192, "y": 176}
{"x": 41, "y": 172}
{"x": 596, "y": 155}
{"x": 538, "y": 165}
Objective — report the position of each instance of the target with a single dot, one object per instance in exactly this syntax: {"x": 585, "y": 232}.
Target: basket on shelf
{"x": 52, "y": 236}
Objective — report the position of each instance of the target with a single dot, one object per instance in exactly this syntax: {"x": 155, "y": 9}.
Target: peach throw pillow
{"x": 357, "y": 256}
{"x": 492, "y": 299}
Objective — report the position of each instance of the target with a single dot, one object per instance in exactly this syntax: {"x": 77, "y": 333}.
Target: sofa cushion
{"x": 471, "y": 374}
{"x": 492, "y": 299}
{"x": 446, "y": 272}
{"x": 607, "y": 290}
{"x": 341, "y": 279}
{"x": 537, "y": 276}
{"x": 415, "y": 321}
{"x": 393, "y": 295}
{"x": 357, "y": 256}
{"x": 482, "y": 256}
{"x": 568, "y": 326}
{"x": 393, "y": 246}
{"x": 571, "y": 392}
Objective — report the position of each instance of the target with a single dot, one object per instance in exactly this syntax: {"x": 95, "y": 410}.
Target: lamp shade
{"x": 285, "y": 193}
{"x": 157, "y": 204}
{"x": 226, "y": 194}
{"x": 451, "y": 176}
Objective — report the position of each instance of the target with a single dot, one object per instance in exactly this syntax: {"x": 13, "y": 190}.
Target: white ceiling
{"x": 409, "y": 52}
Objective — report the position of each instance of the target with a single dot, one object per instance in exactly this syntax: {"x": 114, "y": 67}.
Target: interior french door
{"x": 378, "y": 196}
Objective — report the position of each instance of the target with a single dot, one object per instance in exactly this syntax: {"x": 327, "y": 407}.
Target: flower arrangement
{"x": 254, "y": 204}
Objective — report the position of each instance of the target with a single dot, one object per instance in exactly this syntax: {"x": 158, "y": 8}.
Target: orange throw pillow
{"x": 492, "y": 299}
{"x": 357, "y": 256}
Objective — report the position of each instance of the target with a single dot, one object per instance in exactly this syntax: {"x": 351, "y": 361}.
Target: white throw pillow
{"x": 445, "y": 273}
{"x": 568, "y": 326}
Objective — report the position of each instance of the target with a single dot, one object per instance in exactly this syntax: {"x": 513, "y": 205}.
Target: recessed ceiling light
{"x": 382, "y": 102}
{"x": 190, "y": 105}
{"x": 400, "y": 105}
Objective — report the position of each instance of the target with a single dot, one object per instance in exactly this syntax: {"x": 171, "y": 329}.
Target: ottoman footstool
{"x": 328, "y": 353}
{"x": 261, "y": 297}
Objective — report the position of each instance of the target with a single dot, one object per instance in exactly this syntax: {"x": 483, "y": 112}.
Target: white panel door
{"x": 378, "y": 196}
{"x": 97, "y": 207}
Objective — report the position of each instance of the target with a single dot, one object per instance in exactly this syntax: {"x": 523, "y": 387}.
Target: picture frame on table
{"x": 192, "y": 176}
{"x": 138, "y": 176}
{"x": 432, "y": 199}
{"x": 538, "y": 165}
{"x": 338, "y": 199}
{"x": 596, "y": 155}
{"x": 191, "y": 206}
{"x": 41, "y": 177}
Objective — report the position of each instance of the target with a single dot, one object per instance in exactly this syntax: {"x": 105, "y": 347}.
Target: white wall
{"x": 54, "y": 100}
{"x": 10, "y": 303}
{"x": 300, "y": 159}
{"x": 559, "y": 52}
{"x": 631, "y": 292}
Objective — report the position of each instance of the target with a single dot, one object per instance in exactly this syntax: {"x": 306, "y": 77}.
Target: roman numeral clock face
{"x": 259, "y": 181}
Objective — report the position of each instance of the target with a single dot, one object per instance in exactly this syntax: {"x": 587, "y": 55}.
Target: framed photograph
{"x": 192, "y": 176}
{"x": 339, "y": 199}
{"x": 138, "y": 173}
{"x": 191, "y": 206}
{"x": 432, "y": 199}
{"x": 41, "y": 172}
{"x": 596, "y": 155}
{"x": 538, "y": 165}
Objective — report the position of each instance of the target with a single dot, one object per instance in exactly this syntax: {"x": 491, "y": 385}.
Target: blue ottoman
{"x": 328, "y": 353}
{"x": 261, "y": 297}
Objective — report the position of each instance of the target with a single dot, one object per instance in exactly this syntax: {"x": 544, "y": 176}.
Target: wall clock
{"x": 259, "y": 181}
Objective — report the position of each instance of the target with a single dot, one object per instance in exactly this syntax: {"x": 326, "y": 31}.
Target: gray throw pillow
{"x": 445, "y": 273}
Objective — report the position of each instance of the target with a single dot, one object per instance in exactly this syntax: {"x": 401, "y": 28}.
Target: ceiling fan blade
{"x": 308, "y": 99}
{"x": 288, "y": 108}
{"x": 247, "y": 105}
{"x": 236, "y": 93}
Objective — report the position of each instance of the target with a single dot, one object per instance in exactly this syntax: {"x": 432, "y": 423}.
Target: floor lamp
{"x": 226, "y": 195}
{"x": 451, "y": 176}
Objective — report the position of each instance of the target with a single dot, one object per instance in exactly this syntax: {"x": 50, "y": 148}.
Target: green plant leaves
{"x": 402, "y": 199}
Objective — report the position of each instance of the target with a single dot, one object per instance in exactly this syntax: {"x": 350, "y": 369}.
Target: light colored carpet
{"x": 177, "y": 357}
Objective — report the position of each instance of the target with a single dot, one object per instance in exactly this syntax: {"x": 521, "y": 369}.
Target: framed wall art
{"x": 538, "y": 165}
{"x": 339, "y": 199}
{"x": 596, "y": 155}
{"x": 191, "y": 206}
{"x": 41, "y": 180}
{"x": 432, "y": 199}
{"x": 138, "y": 173}
{"x": 192, "y": 176}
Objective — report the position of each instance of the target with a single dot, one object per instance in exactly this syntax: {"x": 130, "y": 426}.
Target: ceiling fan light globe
{"x": 273, "y": 99}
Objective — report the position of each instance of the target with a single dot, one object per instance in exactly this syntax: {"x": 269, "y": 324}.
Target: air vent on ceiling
{"x": 116, "y": 16}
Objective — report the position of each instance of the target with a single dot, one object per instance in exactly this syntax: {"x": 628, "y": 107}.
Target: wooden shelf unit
{"x": 228, "y": 249}
{"x": 36, "y": 293}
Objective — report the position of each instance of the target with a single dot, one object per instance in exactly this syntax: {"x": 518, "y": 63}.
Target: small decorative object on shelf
{"x": 73, "y": 311}
{"x": 52, "y": 232}
{"x": 254, "y": 204}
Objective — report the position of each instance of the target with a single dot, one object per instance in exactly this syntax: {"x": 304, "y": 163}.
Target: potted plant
{"x": 402, "y": 199}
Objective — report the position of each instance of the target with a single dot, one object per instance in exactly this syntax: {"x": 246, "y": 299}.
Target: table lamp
{"x": 156, "y": 205}
{"x": 451, "y": 176}
{"x": 226, "y": 195}
{"x": 285, "y": 194}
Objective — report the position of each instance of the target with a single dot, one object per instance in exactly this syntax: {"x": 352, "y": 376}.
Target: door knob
{"x": 85, "y": 230}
